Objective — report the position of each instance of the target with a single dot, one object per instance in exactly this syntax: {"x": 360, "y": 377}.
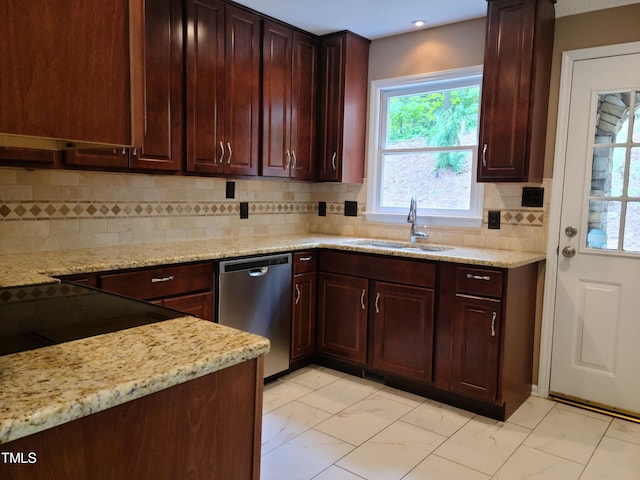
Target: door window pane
{"x": 607, "y": 176}
{"x": 603, "y": 224}
{"x": 636, "y": 122}
{"x": 634, "y": 173}
{"x": 632, "y": 228}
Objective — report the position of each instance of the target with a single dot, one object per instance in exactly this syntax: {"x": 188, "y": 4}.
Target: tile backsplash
{"x": 43, "y": 210}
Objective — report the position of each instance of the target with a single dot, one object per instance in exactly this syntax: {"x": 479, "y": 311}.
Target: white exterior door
{"x": 595, "y": 356}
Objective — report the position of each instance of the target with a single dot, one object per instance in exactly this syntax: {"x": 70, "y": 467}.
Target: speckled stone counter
{"x": 29, "y": 269}
{"x": 42, "y": 388}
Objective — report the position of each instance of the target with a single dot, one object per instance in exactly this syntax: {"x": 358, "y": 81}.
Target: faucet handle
{"x": 413, "y": 207}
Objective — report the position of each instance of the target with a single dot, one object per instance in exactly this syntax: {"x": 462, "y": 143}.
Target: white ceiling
{"x": 382, "y": 18}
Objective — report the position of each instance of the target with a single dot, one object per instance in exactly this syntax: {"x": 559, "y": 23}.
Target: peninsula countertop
{"x": 41, "y": 267}
{"x": 42, "y": 388}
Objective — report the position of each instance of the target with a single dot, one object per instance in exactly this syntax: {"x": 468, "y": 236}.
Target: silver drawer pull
{"x": 478, "y": 277}
{"x": 362, "y": 298}
{"x": 162, "y": 279}
{"x": 493, "y": 324}
{"x": 305, "y": 259}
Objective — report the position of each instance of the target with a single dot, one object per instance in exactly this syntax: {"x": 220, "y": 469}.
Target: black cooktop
{"x": 42, "y": 315}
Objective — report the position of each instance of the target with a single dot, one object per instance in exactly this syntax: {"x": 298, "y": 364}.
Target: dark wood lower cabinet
{"x": 403, "y": 338}
{"x": 198, "y": 304}
{"x": 476, "y": 347}
{"x": 207, "y": 428}
{"x": 303, "y": 332}
{"x": 342, "y": 317}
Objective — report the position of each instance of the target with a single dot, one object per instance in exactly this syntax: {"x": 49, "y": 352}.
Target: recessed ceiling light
{"x": 418, "y": 23}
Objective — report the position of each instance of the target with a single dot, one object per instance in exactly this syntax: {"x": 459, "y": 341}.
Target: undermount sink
{"x": 400, "y": 245}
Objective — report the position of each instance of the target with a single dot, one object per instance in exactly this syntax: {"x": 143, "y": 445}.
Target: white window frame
{"x": 471, "y": 218}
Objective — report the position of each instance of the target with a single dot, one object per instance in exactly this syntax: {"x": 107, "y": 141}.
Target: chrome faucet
{"x": 412, "y": 218}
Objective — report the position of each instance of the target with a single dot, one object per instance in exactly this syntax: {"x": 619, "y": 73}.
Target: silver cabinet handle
{"x": 333, "y": 160}
{"x": 230, "y": 152}
{"x": 162, "y": 279}
{"x": 493, "y": 324}
{"x": 305, "y": 259}
{"x": 286, "y": 167}
{"x": 484, "y": 155}
{"x": 221, "y": 159}
{"x": 124, "y": 151}
{"x": 478, "y": 277}
{"x": 364, "y": 291}
{"x": 135, "y": 151}
{"x": 297, "y": 294}
{"x": 293, "y": 154}
{"x": 377, "y": 300}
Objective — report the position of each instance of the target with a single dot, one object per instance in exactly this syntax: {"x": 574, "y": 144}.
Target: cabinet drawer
{"x": 478, "y": 281}
{"x": 161, "y": 281}
{"x": 304, "y": 262}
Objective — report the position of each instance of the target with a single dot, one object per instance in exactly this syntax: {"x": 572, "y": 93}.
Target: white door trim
{"x": 549, "y": 300}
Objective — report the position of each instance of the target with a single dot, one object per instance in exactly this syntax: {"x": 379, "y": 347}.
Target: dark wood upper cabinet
{"x": 223, "y": 88}
{"x": 515, "y": 90}
{"x": 161, "y": 147}
{"x": 112, "y": 158}
{"x": 344, "y": 59}
{"x": 71, "y": 73}
{"x": 29, "y": 157}
{"x": 289, "y": 102}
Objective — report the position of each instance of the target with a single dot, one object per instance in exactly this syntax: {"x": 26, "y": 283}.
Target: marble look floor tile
{"x": 336, "y": 473}
{"x": 364, "y": 419}
{"x": 303, "y": 457}
{"x": 438, "y": 468}
{"x": 392, "y": 453}
{"x": 313, "y": 376}
{"x": 582, "y": 411}
{"x": 567, "y": 434}
{"x": 287, "y": 422}
{"x": 530, "y": 464}
{"x": 438, "y": 418}
{"x": 340, "y": 394}
{"x": 279, "y": 393}
{"x": 624, "y": 430}
{"x": 531, "y": 412}
{"x": 614, "y": 460}
{"x": 406, "y": 398}
{"x": 483, "y": 444}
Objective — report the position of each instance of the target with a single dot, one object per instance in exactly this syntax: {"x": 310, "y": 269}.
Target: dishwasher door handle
{"x": 258, "y": 272}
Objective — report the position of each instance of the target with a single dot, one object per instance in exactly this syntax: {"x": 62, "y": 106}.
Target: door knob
{"x": 571, "y": 231}
{"x": 569, "y": 252}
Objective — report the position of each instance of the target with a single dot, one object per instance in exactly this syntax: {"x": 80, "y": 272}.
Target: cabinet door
{"x": 342, "y": 317}
{"x": 117, "y": 158}
{"x": 276, "y": 100}
{"x": 332, "y": 95}
{"x": 303, "y": 107}
{"x": 303, "y": 332}
{"x": 242, "y": 91}
{"x": 199, "y": 304}
{"x": 476, "y": 347}
{"x": 162, "y": 143}
{"x": 515, "y": 90}
{"x": 205, "y": 86}
{"x": 403, "y": 336}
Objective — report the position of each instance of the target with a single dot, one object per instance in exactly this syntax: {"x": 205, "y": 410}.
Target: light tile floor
{"x": 325, "y": 425}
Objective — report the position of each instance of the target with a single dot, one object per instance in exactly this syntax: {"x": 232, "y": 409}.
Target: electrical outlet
{"x": 350, "y": 209}
{"x": 322, "y": 209}
{"x": 494, "y": 219}
{"x": 244, "y": 210}
{"x": 231, "y": 190}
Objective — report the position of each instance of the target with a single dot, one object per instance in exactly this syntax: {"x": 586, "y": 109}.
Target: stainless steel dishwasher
{"x": 254, "y": 295}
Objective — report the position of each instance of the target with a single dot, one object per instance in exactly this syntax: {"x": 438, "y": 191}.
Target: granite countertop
{"x": 35, "y": 268}
{"x": 42, "y": 388}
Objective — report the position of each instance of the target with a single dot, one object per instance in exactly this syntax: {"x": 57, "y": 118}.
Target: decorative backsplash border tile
{"x": 44, "y": 210}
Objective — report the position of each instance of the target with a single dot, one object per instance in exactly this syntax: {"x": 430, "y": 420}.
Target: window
{"x": 423, "y": 143}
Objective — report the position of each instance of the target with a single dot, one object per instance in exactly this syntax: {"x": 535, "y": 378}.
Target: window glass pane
{"x": 612, "y": 112}
{"x": 632, "y": 228}
{"x": 603, "y": 225}
{"x": 436, "y": 179}
{"x": 434, "y": 119}
{"x": 607, "y": 176}
{"x": 636, "y": 122}
{"x": 634, "y": 173}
